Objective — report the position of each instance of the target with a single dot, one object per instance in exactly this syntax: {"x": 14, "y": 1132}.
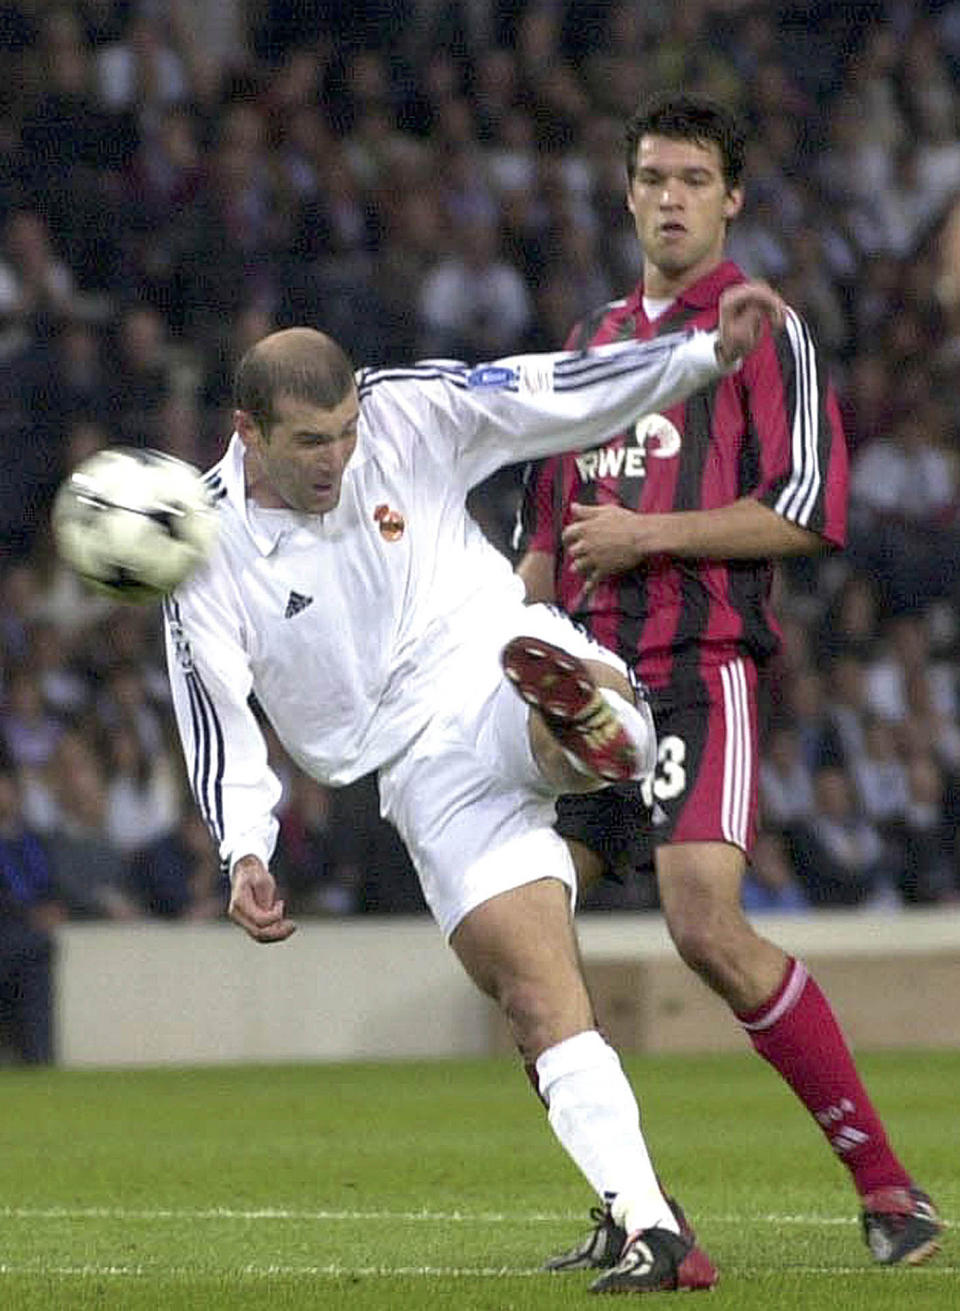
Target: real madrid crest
{"x": 391, "y": 522}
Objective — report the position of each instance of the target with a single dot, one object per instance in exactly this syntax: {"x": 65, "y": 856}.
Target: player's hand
{"x": 600, "y": 541}
{"x": 745, "y": 310}
{"x": 254, "y": 904}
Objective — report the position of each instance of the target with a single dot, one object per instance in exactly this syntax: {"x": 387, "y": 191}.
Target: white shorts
{"x": 467, "y": 796}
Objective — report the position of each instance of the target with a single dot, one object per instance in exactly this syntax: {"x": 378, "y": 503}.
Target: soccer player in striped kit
{"x": 661, "y": 544}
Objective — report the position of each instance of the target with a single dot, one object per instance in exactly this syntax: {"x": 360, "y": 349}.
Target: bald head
{"x": 299, "y": 363}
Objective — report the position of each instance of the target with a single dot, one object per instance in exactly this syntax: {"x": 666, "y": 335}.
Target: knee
{"x": 525, "y": 1004}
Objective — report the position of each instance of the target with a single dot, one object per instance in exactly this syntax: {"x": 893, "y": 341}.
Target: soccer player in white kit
{"x": 352, "y": 595}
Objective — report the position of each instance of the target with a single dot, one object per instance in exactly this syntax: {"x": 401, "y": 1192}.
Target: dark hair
{"x": 688, "y": 118}
{"x": 300, "y": 363}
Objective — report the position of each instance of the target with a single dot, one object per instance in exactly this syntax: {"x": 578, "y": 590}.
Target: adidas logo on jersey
{"x": 296, "y": 602}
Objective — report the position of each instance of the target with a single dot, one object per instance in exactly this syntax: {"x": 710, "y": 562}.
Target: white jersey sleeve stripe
{"x": 613, "y": 359}
{"x": 456, "y": 376}
{"x": 799, "y": 496}
{"x": 206, "y": 772}
{"x": 198, "y": 725}
{"x": 211, "y": 781}
{"x": 224, "y": 749}
{"x": 606, "y": 372}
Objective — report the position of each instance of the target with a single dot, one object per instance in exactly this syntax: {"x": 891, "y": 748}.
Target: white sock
{"x": 593, "y": 1112}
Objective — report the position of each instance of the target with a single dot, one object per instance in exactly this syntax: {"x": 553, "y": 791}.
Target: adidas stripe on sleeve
{"x": 224, "y": 749}
{"x": 527, "y": 406}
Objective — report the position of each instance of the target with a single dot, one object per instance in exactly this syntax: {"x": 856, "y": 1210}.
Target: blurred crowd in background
{"x": 420, "y": 179}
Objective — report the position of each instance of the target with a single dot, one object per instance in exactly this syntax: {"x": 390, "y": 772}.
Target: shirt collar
{"x": 230, "y": 473}
{"x": 704, "y": 293}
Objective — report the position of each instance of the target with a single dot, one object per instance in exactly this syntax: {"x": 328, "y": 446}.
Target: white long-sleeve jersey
{"x": 346, "y": 627}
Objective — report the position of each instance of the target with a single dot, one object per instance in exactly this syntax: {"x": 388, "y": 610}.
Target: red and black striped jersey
{"x": 771, "y": 430}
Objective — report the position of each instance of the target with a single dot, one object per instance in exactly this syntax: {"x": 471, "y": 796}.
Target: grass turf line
{"x": 431, "y": 1185}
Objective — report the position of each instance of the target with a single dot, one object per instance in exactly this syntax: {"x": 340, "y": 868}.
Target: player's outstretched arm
{"x": 528, "y": 406}
{"x": 254, "y": 904}
{"x": 745, "y": 310}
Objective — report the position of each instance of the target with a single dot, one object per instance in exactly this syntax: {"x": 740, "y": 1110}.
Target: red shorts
{"x": 705, "y": 785}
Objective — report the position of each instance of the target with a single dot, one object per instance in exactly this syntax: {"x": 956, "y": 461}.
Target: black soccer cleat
{"x": 901, "y": 1226}
{"x": 598, "y": 1251}
{"x": 657, "y": 1261}
{"x": 601, "y": 1248}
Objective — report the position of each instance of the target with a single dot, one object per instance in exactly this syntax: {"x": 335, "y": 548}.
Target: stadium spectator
{"x": 371, "y": 857}
{"x": 846, "y": 707}
{"x": 928, "y": 870}
{"x": 414, "y": 230}
{"x": 71, "y": 150}
{"x": 849, "y": 624}
{"x": 29, "y": 729}
{"x": 808, "y": 284}
{"x": 473, "y": 305}
{"x": 867, "y": 399}
{"x": 69, "y": 383}
{"x": 229, "y": 257}
{"x": 160, "y": 189}
{"x": 181, "y": 429}
{"x": 805, "y": 710}
{"x": 770, "y": 883}
{"x": 178, "y": 875}
{"x": 881, "y": 781}
{"x": 904, "y": 497}
{"x": 35, "y": 286}
{"x": 309, "y": 871}
{"x": 786, "y": 782}
{"x": 63, "y": 690}
{"x": 682, "y": 587}
{"x": 932, "y": 723}
{"x": 838, "y": 854}
{"x": 89, "y": 874}
{"x": 143, "y": 800}
{"x": 904, "y": 654}
{"x": 20, "y": 589}
{"x": 28, "y": 914}
{"x": 140, "y": 377}
{"x": 219, "y": 361}
{"x": 141, "y": 73}
{"x": 125, "y": 702}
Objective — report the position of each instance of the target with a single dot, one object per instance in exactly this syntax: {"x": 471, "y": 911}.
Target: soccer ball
{"x": 134, "y": 523}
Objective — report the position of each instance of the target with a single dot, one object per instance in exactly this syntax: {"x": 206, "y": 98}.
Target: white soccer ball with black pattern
{"x": 134, "y": 523}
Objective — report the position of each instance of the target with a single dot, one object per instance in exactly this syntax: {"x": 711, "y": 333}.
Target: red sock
{"x": 797, "y": 1032}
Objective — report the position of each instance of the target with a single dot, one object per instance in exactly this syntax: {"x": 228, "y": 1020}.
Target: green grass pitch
{"x": 433, "y": 1185}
